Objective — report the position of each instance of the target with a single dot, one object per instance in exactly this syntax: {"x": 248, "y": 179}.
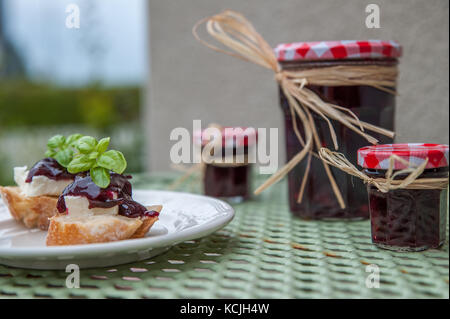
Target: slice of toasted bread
{"x": 147, "y": 222}
{"x": 31, "y": 211}
{"x": 68, "y": 230}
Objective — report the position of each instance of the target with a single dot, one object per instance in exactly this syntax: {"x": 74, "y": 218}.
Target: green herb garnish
{"x": 80, "y": 153}
{"x": 62, "y": 148}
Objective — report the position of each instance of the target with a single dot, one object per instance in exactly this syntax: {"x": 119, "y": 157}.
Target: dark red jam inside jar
{"x": 408, "y": 219}
{"x": 229, "y": 181}
{"x": 367, "y": 103}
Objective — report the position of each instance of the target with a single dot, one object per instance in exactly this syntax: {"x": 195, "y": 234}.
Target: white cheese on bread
{"x": 39, "y": 185}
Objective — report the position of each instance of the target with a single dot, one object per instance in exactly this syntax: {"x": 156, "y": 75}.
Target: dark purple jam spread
{"x": 49, "y": 168}
{"x": 104, "y": 197}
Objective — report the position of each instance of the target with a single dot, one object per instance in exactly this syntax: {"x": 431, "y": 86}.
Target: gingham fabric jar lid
{"x": 231, "y": 136}
{"x": 336, "y": 50}
{"x": 377, "y": 156}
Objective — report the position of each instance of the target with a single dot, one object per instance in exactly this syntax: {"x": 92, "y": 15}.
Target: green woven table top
{"x": 264, "y": 252}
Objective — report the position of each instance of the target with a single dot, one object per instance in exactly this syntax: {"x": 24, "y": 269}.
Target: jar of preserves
{"x": 227, "y": 175}
{"x": 407, "y": 219}
{"x": 369, "y": 104}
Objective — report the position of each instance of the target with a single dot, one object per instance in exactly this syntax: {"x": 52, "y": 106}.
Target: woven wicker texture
{"x": 263, "y": 253}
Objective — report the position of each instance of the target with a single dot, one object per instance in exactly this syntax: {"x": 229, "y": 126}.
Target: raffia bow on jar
{"x": 234, "y": 31}
{"x": 384, "y": 185}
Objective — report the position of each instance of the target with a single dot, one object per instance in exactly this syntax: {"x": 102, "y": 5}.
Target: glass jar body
{"x": 408, "y": 219}
{"x": 370, "y": 105}
{"x": 230, "y": 182}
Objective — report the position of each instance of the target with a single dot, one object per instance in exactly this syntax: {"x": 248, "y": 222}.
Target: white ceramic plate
{"x": 184, "y": 217}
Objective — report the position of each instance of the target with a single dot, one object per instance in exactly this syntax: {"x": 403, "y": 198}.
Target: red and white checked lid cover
{"x": 336, "y": 50}
{"x": 231, "y": 136}
{"x": 377, "y": 156}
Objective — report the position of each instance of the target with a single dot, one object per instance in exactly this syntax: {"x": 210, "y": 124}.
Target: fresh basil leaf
{"x": 86, "y": 144}
{"x": 64, "y": 157}
{"x": 103, "y": 144}
{"x": 100, "y": 176}
{"x": 79, "y": 164}
{"x": 50, "y": 153}
{"x": 93, "y": 155}
{"x": 56, "y": 141}
{"x": 73, "y": 138}
{"x": 113, "y": 160}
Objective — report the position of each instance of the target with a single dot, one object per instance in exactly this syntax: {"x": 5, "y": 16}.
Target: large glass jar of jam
{"x": 407, "y": 219}
{"x": 229, "y": 175}
{"x": 369, "y": 104}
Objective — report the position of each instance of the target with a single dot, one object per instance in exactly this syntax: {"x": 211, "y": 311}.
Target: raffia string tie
{"x": 412, "y": 181}
{"x": 234, "y": 31}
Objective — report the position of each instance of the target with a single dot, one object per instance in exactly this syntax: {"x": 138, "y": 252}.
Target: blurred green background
{"x": 31, "y": 113}
{"x": 57, "y": 80}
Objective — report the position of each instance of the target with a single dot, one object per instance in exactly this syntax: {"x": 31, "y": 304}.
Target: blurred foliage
{"x": 31, "y": 113}
{"x": 28, "y": 104}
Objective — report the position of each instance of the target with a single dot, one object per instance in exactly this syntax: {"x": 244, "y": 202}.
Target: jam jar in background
{"x": 229, "y": 181}
{"x": 407, "y": 219}
{"x": 369, "y": 104}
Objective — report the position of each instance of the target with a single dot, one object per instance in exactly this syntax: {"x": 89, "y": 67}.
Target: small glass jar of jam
{"x": 369, "y": 104}
{"x": 407, "y": 219}
{"x": 228, "y": 175}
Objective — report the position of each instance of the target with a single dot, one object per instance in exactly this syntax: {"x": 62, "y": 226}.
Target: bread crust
{"x": 147, "y": 222}
{"x": 66, "y": 230}
{"x": 33, "y": 212}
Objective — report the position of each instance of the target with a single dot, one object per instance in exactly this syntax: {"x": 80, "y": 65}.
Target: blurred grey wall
{"x": 189, "y": 81}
